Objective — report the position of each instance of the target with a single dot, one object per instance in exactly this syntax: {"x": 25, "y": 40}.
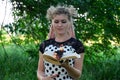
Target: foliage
{"x": 97, "y": 26}
{"x": 98, "y": 23}
{"x": 106, "y": 69}
{"x": 19, "y": 65}
{"x": 98, "y": 19}
{"x": 99, "y": 66}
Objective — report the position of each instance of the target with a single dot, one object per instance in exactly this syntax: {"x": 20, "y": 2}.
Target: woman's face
{"x": 60, "y": 24}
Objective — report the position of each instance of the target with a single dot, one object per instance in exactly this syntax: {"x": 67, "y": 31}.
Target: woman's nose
{"x": 59, "y": 24}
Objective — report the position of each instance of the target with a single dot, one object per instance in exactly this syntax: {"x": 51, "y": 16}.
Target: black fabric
{"x": 74, "y": 43}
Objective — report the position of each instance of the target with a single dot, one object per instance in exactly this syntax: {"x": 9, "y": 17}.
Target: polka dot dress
{"x": 50, "y": 46}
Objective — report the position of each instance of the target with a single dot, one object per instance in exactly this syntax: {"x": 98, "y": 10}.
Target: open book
{"x": 50, "y": 58}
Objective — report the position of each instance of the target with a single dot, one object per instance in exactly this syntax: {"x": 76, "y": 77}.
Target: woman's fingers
{"x": 66, "y": 62}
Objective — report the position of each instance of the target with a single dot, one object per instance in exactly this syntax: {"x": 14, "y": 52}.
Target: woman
{"x": 61, "y": 42}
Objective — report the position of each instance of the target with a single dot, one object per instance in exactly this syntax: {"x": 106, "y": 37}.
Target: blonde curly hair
{"x": 70, "y": 11}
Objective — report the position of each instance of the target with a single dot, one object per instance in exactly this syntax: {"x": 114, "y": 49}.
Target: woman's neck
{"x": 62, "y": 38}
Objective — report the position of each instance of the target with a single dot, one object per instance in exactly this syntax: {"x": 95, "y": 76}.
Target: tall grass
{"x": 102, "y": 68}
{"x": 19, "y": 64}
{"x": 16, "y": 64}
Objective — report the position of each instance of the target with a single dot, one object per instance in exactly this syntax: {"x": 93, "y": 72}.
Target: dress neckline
{"x": 63, "y": 41}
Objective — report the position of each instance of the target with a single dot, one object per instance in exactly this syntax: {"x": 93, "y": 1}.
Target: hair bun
{"x": 71, "y": 10}
{"x": 50, "y": 12}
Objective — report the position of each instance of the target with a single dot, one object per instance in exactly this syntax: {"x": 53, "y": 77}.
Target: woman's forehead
{"x": 61, "y": 16}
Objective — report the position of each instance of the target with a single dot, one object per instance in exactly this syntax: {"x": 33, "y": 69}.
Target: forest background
{"x": 97, "y": 26}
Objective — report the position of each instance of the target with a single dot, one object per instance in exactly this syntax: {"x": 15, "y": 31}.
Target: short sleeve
{"x": 42, "y": 47}
{"x": 79, "y": 48}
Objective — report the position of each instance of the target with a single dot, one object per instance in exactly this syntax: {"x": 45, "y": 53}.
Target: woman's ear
{"x": 51, "y": 33}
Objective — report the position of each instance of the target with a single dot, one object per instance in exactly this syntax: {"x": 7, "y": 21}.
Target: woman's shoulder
{"x": 78, "y": 45}
{"x": 76, "y": 41}
{"x": 44, "y": 44}
{"x": 47, "y": 41}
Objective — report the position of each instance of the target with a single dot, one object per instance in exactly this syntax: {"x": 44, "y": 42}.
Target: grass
{"x": 102, "y": 68}
{"x": 19, "y": 65}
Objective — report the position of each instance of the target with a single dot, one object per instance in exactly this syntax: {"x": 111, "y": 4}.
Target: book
{"x": 60, "y": 57}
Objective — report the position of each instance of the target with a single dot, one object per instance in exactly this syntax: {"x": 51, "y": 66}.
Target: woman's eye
{"x": 56, "y": 21}
{"x": 64, "y": 21}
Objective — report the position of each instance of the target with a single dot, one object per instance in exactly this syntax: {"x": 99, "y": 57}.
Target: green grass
{"x": 102, "y": 68}
{"x": 18, "y": 64}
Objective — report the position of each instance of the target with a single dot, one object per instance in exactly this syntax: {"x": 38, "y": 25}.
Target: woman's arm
{"x": 40, "y": 72}
{"x": 75, "y": 71}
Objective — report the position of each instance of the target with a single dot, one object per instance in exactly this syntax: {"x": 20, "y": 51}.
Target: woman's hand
{"x": 72, "y": 71}
{"x": 64, "y": 63}
{"x": 51, "y": 77}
